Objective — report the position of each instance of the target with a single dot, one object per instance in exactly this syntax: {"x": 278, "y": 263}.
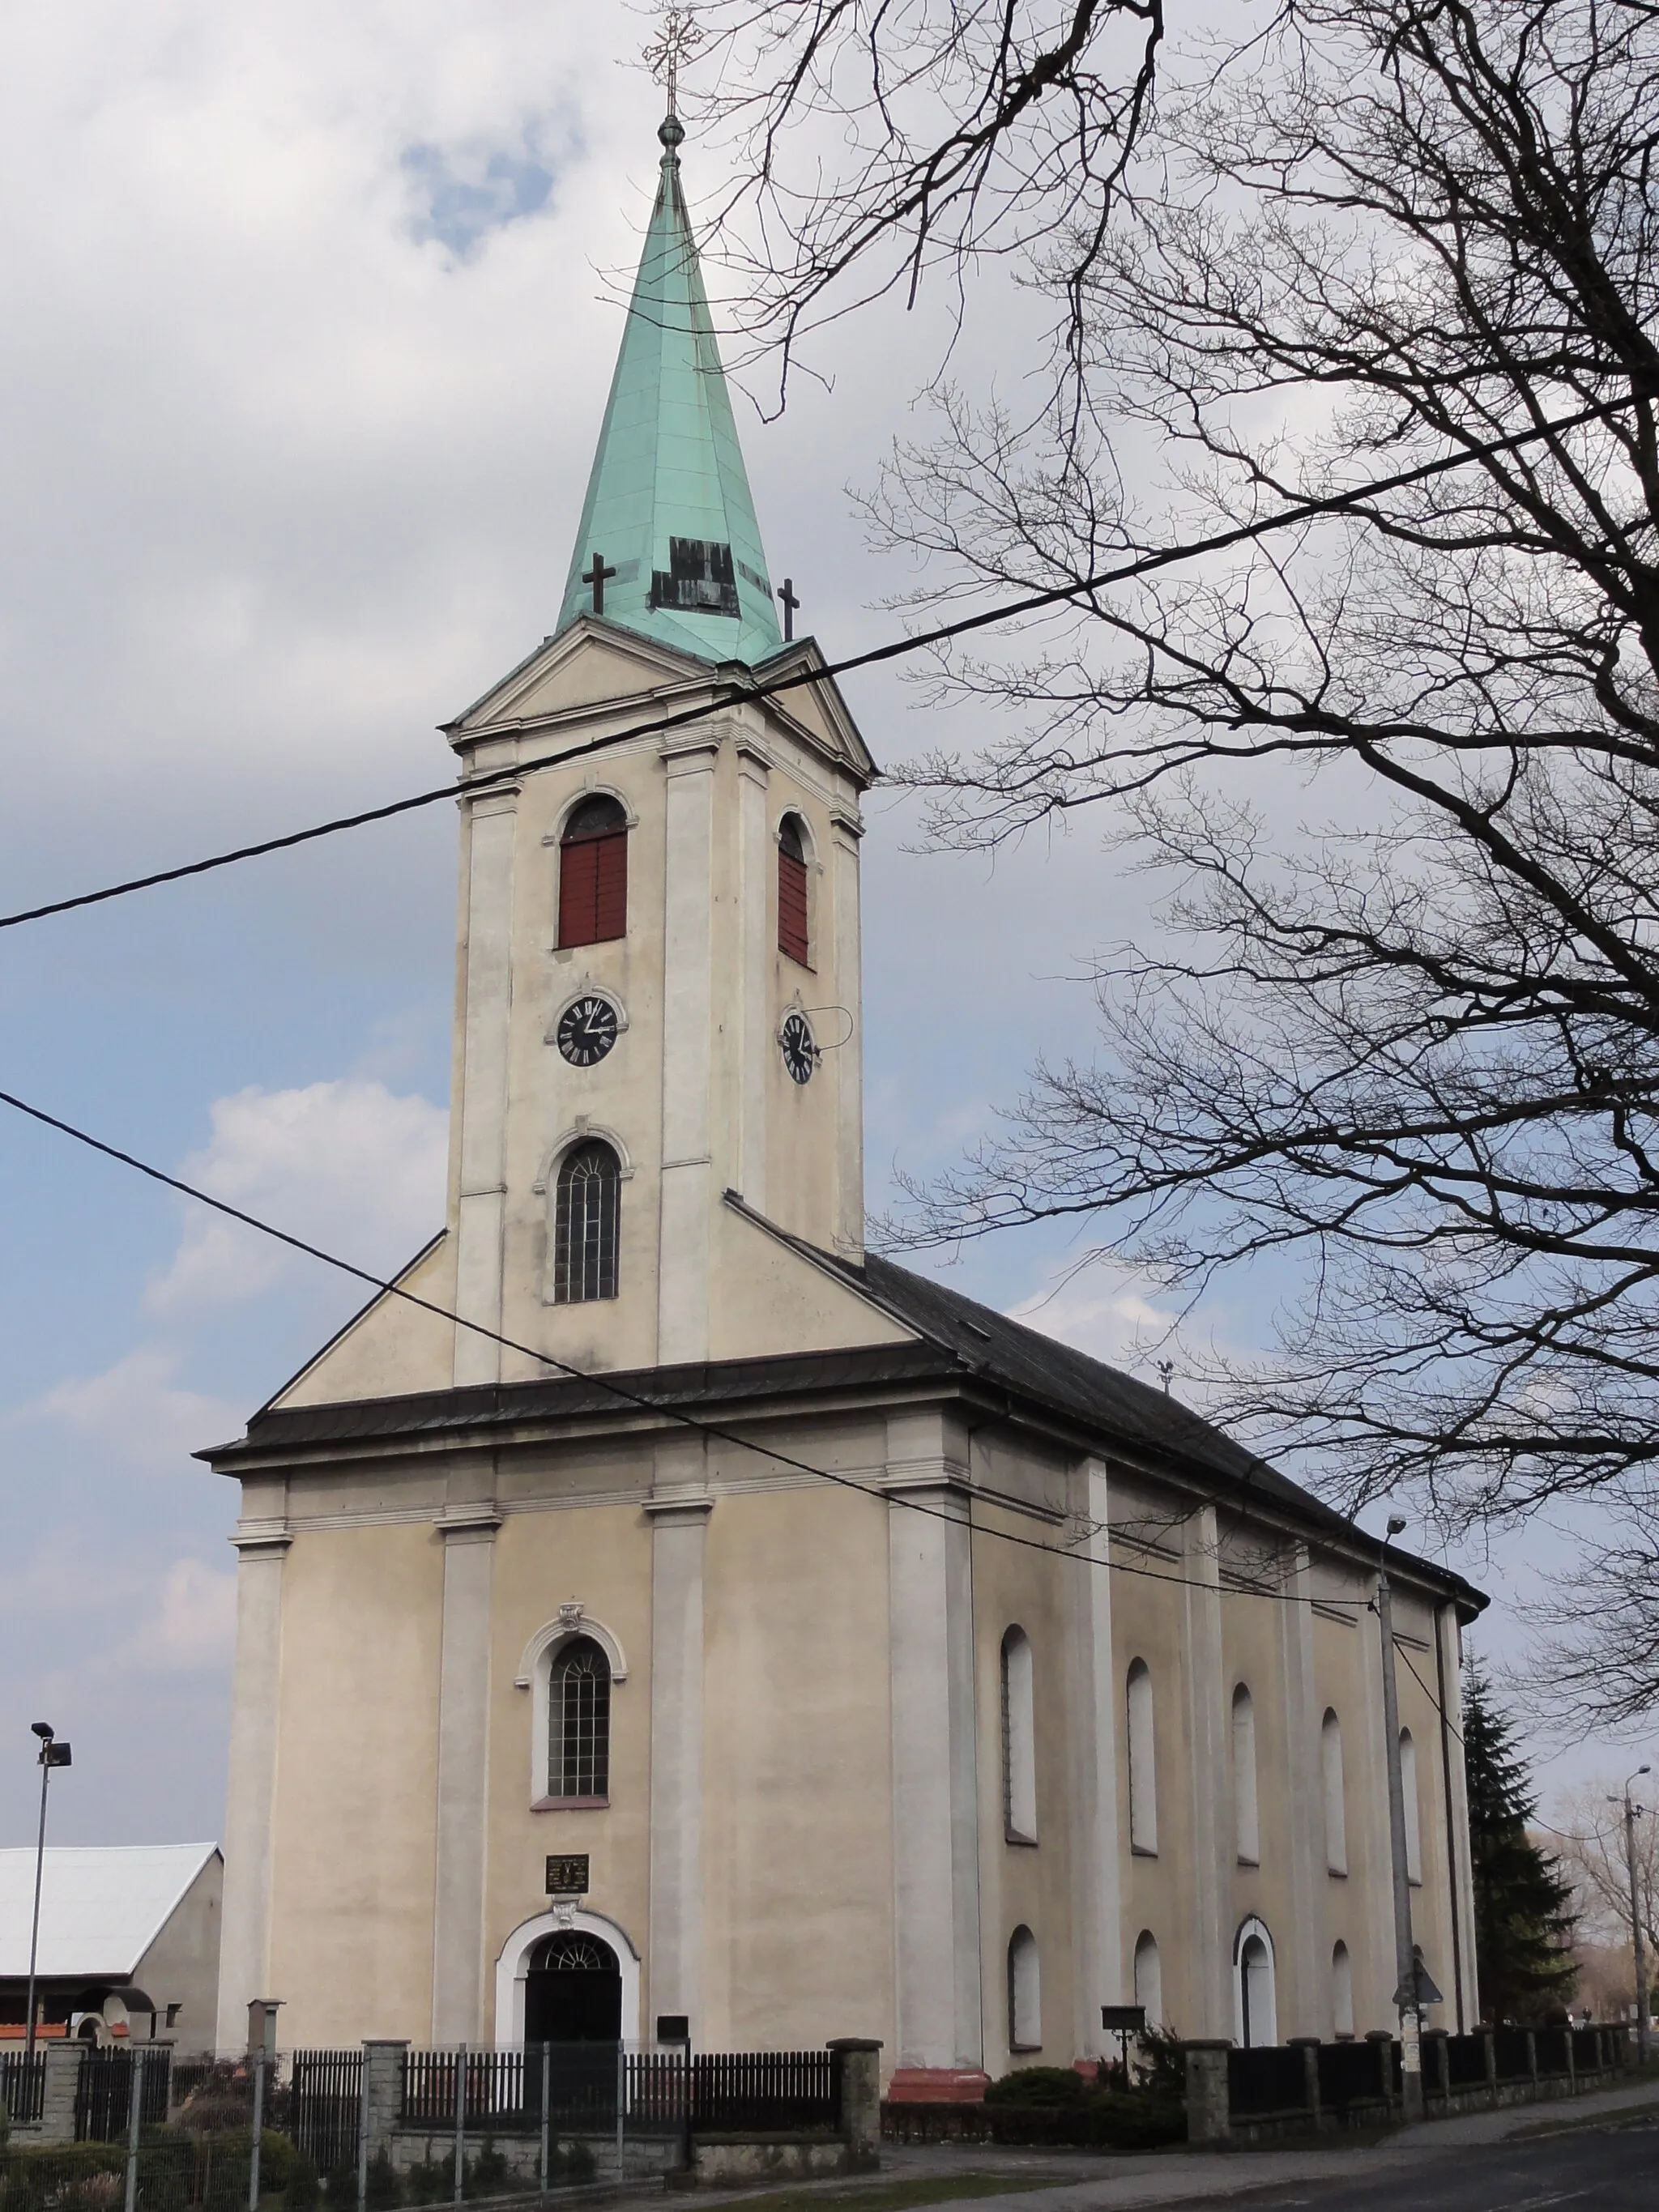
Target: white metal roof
{"x": 101, "y": 1909}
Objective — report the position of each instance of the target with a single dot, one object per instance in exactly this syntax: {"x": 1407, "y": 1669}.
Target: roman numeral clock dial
{"x": 800, "y": 1055}
{"x": 587, "y": 1030}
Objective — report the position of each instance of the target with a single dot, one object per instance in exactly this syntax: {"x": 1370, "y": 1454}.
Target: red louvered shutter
{"x": 594, "y": 889}
{"x": 610, "y": 886}
{"x": 792, "y": 908}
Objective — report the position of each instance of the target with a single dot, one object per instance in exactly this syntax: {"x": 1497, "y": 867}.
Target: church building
{"x": 660, "y": 1615}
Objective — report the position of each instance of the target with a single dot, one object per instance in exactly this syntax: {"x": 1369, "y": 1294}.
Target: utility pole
{"x": 52, "y": 1753}
{"x": 1405, "y": 1993}
{"x": 1631, "y": 1812}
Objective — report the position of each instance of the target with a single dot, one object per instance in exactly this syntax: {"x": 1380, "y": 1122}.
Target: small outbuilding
{"x": 128, "y": 1944}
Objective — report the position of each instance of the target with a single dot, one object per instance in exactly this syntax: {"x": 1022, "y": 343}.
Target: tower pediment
{"x": 598, "y": 669}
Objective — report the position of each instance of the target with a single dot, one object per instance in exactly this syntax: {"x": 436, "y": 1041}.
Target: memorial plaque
{"x": 567, "y": 1876}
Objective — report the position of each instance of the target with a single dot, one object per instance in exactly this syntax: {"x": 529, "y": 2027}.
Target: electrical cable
{"x": 616, "y": 1389}
{"x": 728, "y": 693}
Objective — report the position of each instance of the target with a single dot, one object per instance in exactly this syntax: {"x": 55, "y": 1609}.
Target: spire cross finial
{"x": 597, "y": 576}
{"x": 790, "y": 603}
{"x": 677, "y": 40}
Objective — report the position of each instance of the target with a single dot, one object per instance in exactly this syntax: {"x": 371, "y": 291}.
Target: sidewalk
{"x": 1063, "y": 2181}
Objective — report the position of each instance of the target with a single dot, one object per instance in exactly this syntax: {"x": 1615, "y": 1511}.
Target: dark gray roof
{"x": 960, "y": 1347}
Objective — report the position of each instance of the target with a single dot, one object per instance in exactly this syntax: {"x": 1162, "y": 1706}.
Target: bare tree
{"x": 1589, "y": 1845}
{"x": 878, "y": 140}
{"x": 1402, "y": 271}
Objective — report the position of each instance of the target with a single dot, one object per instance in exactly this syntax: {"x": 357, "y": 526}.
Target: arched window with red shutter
{"x": 593, "y": 873}
{"x": 792, "y": 934}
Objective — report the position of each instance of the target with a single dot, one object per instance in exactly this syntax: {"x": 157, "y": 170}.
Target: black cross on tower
{"x": 790, "y": 603}
{"x": 597, "y": 576}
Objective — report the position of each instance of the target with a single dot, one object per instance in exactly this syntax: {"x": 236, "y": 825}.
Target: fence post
{"x": 545, "y": 2162}
{"x": 365, "y": 2115}
{"x": 135, "y": 2120}
{"x": 60, "y": 2087}
{"x": 460, "y": 2124}
{"x": 1489, "y": 2038}
{"x": 1573, "y": 2059}
{"x": 1532, "y": 2060}
{"x": 1381, "y": 2043}
{"x": 1209, "y": 2117}
{"x": 1308, "y": 2046}
{"x": 857, "y": 2063}
{"x": 259, "y": 2058}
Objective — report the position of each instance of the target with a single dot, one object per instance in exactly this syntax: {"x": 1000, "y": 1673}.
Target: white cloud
{"x": 135, "y": 1410}
{"x": 1112, "y": 1321}
{"x": 192, "y": 1628}
{"x": 348, "y": 1166}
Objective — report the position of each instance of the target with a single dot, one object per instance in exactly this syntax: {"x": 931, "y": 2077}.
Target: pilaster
{"x": 688, "y": 1024}
{"x": 491, "y": 824}
{"x": 679, "y": 1528}
{"x": 1465, "y": 1992}
{"x": 758, "y": 866}
{"x": 467, "y": 1532}
{"x": 935, "y": 1779}
{"x": 849, "y": 1058}
{"x": 1098, "y": 1904}
{"x": 1209, "y": 1747}
{"x": 1310, "y": 1943}
{"x": 251, "y": 1783}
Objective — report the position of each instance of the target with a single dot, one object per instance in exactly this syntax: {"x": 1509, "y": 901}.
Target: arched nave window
{"x": 1342, "y": 1993}
{"x": 1246, "y": 1823}
{"x": 1149, "y": 1977}
{"x": 1143, "y": 1762}
{"x": 1336, "y": 1814}
{"x": 1018, "y": 1739}
{"x": 586, "y": 1223}
{"x": 579, "y": 1722}
{"x": 1408, "y": 1791}
{"x": 1025, "y": 1993}
{"x": 1255, "y": 2001}
{"x": 793, "y": 935}
{"x": 593, "y": 872}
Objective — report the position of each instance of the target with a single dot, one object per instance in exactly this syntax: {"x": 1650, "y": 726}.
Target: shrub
{"x": 302, "y": 2189}
{"x": 384, "y": 2189}
{"x": 574, "y": 2162}
{"x": 1040, "y": 2085}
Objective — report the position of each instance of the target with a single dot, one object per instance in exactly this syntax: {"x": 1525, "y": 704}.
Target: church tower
{"x": 668, "y": 1611}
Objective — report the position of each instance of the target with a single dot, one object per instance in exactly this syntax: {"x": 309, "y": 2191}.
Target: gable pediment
{"x": 596, "y": 668}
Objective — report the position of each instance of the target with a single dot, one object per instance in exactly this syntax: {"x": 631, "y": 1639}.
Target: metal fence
{"x": 763, "y": 2089}
{"x": 1265, "y": 2079}
{"x": 22, "y": 2085}
{"x": 1466, "y": 2061}
{"x": 103, "y": 2092}
{"x": 1350, "y": 2074}
{"x": 323, "y": 2110}
{"x": 1513, "y": 2053}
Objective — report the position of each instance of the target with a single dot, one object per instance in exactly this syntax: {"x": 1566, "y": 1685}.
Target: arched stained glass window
{"x": 1246, "y": 1817}
{"x": 1025, "y": 1993}
{"x": 586, "y": 1223}
{"x": 593, "y": 873}
{"x": 1143, "y": 1763}
{"x": 1336, "y": 1819}
{"x": 579, "y": 1722}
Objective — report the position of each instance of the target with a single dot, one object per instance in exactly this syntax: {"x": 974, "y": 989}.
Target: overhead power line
{"x": 620, "y": 1390}
{"x": 729, "y": 693}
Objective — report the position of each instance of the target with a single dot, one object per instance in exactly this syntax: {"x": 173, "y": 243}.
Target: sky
{"x": 306, "y": 316}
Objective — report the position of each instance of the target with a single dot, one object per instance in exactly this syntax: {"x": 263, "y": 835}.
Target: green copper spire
{"x": 668, "y": 516}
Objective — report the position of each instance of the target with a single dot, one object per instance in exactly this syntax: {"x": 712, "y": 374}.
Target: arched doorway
{"x": 1255, "y": 1999}
{"x": 573, "y": 1990}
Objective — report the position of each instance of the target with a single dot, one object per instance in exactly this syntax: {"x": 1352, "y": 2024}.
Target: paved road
{"x": 1610, "y": 2169}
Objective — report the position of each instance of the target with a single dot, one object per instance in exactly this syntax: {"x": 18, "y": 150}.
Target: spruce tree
{"x": 1523, "y": 1918}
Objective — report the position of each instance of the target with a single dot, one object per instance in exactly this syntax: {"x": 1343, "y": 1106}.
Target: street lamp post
{"x": 1631, "y": 1812}
{"x": 52, "y": 1753}
{"x": 1406, "y": 1992}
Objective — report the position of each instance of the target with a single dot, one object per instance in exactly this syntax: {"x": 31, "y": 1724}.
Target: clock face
{"x": 587, "y": 1030}
{"x": 800, "y": 1055}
